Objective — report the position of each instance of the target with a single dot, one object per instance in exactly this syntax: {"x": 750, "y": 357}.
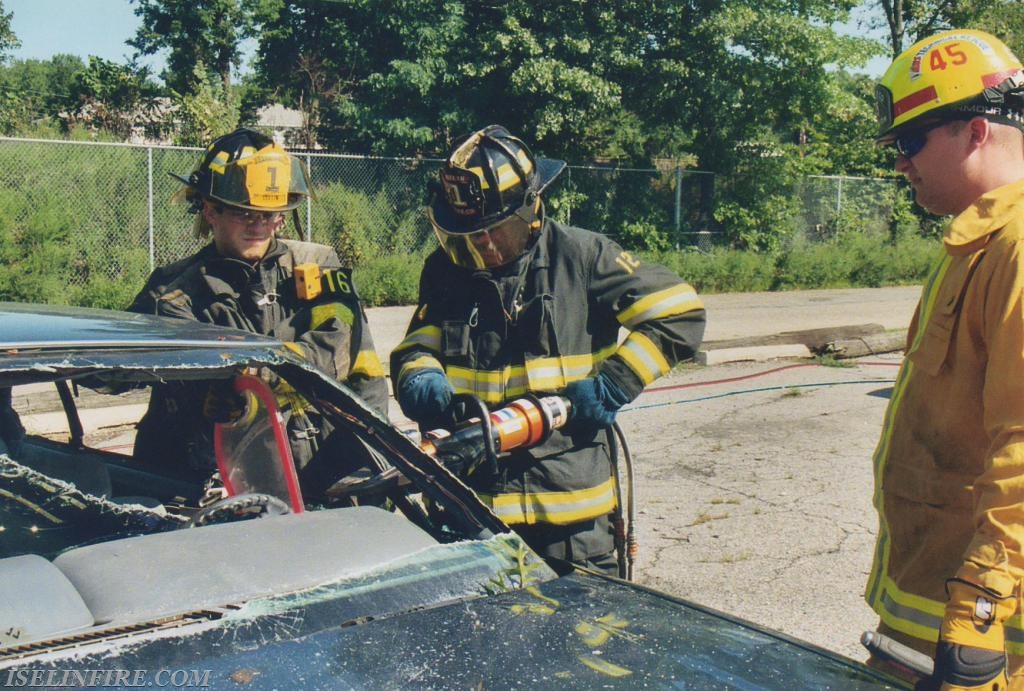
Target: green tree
{"x": 205, "y": 112}
{"x": 8, "y": 39}
{"x": 37, "y": 90}
{"x": 115, "y": 98}
{"x": 908, "y": 21}
{"x": 616, "y": 82}
{"x": 369, "y": 76}
{"x": 207, "y": 32}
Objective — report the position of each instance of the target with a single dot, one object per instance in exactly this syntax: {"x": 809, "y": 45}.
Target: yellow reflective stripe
{"x": 643, "y": 357}
{"x": 321, "y": 314}
{"x": 507, "y": 176}
{"x": 288, "y": 398}
{"x": 540, "y": 374}
{"x": 492, "y": 386}
{"x": 557, "y": 508}
{"x": 921, "y": 617}
{"x": 555, "y": 373}
{"x": 880, "y": 564}
{"x": 678, "y": 299}
{"x": 911, "y": 614}
{"x": 368, "y": 364}
{"x": 421, "y": 363}
{"x": 295, "y": 348}
{"x": 427, "y": 337}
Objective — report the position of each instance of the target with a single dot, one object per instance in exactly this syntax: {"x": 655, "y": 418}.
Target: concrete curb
{"x": 721, "y": 356}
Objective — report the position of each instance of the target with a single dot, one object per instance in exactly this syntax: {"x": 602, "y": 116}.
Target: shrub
{"x": 721, "y": 270}
{"x": 363, "y": 226}
{"x": 391, "y": 280}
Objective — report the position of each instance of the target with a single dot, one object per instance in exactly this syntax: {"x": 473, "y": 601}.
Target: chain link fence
{"x": 835, "y": 204}
{"x": 85, "y": 223}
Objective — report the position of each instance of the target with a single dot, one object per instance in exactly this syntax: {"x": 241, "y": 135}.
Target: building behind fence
{"x": 85, "y": 220}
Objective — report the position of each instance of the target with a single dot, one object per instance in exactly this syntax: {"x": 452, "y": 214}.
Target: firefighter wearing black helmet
{"x": 244, "y": 278}
{"x": 512, "y": 303}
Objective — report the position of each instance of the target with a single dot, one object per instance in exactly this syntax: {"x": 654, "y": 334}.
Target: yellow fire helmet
{"x": 952, "y": 75}
{"x": 247, "y": 169}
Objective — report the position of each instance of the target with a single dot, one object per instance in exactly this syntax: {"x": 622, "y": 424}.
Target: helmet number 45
{"x": 937, "y": 61}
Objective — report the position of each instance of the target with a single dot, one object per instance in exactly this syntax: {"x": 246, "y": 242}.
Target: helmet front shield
{"x": 492, "y": 246}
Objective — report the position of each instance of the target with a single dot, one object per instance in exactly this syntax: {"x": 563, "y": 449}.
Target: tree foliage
{"x": 908, "y": 21}
{"x": 8, "y": 39}
{"x": 206, "y": 111}
{"x": 115, "y": 98}
{"x": 35, "y": 90}
{"x": 369, "y": 76}
{"x": 759, "y": 92}
{"x": 193, "y": 32}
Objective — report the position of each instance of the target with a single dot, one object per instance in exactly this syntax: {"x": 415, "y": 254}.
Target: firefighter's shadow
{"x": 881, "y": 393}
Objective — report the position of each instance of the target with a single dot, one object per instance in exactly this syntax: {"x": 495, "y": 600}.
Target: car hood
{"x": 580, "y": 631}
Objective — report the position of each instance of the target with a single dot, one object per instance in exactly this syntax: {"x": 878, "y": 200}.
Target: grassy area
{"x": 851, "y": 261}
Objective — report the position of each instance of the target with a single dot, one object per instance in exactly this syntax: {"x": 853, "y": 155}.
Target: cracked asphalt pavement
{"x": 753, "y": 491}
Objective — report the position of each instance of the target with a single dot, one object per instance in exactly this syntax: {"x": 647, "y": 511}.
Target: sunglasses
{"x": 910, "y": 144}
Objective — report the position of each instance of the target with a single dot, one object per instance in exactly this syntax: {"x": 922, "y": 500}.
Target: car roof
{"x": 49, "y": 326}
{"x": 41, "y": 340}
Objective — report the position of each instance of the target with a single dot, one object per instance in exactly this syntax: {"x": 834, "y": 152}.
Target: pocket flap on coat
{"x": 933, "y": 345}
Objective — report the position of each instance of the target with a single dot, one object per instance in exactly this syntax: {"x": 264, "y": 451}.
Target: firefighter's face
{"x": 241, "y": 233}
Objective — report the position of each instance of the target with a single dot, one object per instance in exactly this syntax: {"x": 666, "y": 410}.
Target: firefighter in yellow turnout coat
{"x": 515, "y": 303}
{"x": 949, "y": 467}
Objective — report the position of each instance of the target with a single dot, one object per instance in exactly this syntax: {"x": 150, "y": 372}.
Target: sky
{"x": 78, "y": 27}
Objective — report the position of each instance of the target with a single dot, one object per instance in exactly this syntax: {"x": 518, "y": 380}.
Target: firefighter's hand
{"x": 425, "y": 395}
{"x": 222, "y": 403}
{"x": 594, "y": 400}
{"x": 971, "y": 652}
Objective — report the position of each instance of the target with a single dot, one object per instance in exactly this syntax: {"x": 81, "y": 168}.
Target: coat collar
{"x": 989, "y": 213}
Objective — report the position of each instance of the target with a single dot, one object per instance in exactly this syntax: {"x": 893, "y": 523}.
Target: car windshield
{"x": 119, "y": 540}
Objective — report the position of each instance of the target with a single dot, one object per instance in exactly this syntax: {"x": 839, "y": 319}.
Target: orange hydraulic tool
{"x": 524, "y": 422}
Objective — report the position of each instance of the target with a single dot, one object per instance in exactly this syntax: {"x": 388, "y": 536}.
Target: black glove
{"x": 960, "y": 667}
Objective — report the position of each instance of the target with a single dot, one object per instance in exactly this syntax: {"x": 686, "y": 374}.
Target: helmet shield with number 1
{"x": 246, "y": 169}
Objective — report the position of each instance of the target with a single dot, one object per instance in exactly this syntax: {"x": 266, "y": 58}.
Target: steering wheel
{"x": 239, "y": 508}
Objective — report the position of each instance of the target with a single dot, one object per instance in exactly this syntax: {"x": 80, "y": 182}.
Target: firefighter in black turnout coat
{"x": 245, "y": 279}
{"x": 514, "y": 303}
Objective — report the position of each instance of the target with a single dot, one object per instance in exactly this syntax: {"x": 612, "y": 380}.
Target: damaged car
{"x": 392, "y": 576}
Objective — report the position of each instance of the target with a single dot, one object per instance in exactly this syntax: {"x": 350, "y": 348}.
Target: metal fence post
{"x": 679, "y": 199}
{"x": 152, "y": 238}
{"x": 839, "y": 195}
{"x": 309, "y": 201}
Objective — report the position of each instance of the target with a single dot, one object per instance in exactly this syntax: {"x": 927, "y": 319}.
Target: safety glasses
{"x": 250, "y": 217}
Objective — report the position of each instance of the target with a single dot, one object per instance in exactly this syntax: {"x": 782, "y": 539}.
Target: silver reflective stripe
{"x": 664, "y": 303}
{"x": 914, "y": 616}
